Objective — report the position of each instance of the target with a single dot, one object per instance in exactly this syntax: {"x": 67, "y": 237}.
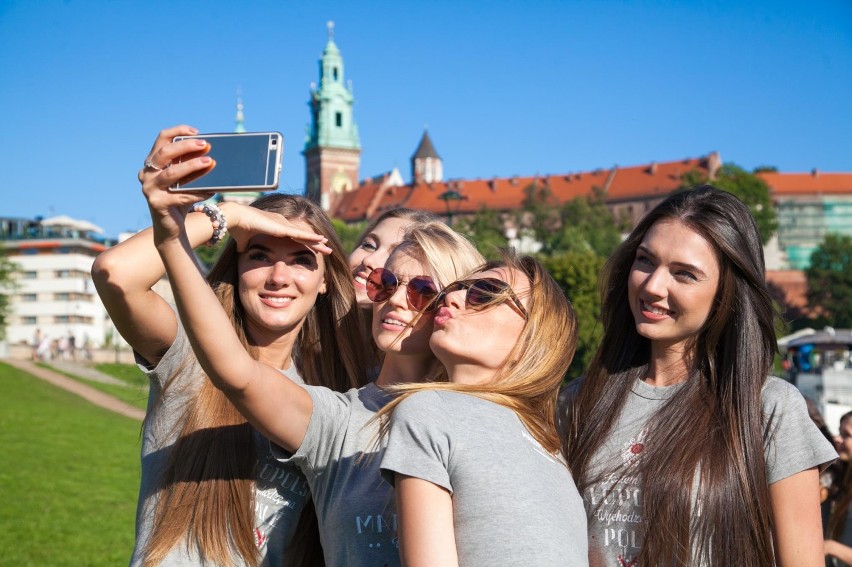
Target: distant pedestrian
{"x": 36, "y": 344}
{"x": 72, "y": 346}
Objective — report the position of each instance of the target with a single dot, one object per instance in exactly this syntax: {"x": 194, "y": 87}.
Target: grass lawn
{"x": 69, "y": 476}
{"x": 135, "y": 392}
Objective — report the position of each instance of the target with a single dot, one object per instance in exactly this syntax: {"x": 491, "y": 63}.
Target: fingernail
{"x": 205, "y": 160}
{"x": 201, "y": 143}
{"x": 193, "y": 130}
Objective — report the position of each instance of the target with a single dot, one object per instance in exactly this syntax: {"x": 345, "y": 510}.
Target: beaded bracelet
{"x": 220, "y": 224}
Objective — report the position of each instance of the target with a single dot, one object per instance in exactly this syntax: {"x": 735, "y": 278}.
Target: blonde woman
{"x": 211, "y": 492}
{"x": 321, "y": 431}
{"x": 479, "y": 475}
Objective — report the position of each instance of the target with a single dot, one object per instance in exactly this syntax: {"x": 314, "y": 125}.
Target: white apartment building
{"x": 55, "y": 293}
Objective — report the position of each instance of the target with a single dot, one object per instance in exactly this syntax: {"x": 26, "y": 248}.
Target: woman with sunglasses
{"x": 685, "y": 450}
{"x": 476, "y": 461}
{"x": 321, "y": 431}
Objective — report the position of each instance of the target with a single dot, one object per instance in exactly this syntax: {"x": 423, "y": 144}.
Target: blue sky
{"x": 506, "y": 88}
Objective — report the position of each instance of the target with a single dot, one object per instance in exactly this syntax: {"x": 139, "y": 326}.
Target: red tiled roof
{"x": 507, "y": 193}
{"x": 808, "y": 183}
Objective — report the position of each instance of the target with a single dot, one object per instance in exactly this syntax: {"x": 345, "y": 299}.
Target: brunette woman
{"x": 321, "y": 431}
{"x": 685, "y": 451}
{"x": 838, "y": 529}
{"x": 480, "y": 479}
{"x": 211, "y": 492}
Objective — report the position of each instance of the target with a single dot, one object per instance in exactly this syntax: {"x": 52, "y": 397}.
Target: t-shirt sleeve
{"x": 419, "y": 443}
{"x": 330, "y": 413}
{"x": 793, "y": 442}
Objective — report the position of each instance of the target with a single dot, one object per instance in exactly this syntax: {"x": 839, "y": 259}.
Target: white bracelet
{"x": 220, "y": 223}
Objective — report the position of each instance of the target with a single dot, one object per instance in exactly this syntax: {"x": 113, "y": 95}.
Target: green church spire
{"x": 332, "y": 123}
{"x": 240, "y": 128}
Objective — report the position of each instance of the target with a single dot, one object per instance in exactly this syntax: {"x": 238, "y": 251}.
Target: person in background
{"x": 211, "y": 491}
{"x": 681, "y": 444}
{"x": 838, "y": 528}
{"x": 372, "y": 250}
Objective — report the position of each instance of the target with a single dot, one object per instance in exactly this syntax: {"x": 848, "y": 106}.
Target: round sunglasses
{"x": 420, "y": 291}
{"x": 483, "y": 292}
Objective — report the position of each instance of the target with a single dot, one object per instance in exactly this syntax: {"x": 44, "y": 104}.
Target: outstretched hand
{"x": 245, "y": 222}
{"x": 167, "y": 163}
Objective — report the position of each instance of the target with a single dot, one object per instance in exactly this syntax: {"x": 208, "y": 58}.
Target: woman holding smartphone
{"x": 684, "y": 448}
{"x": 320, "y": 431}
{"x": 211, "y": 491}
{"x": 480, "y": 478}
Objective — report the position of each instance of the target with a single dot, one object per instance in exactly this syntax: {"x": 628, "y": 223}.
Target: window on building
{"x": 61, "y": 296}
{"x": 29, "y": 297}
{"x": 29, "y": 320}
{"x": 61, "y": 319}
{"x": 334, "y": 72}
{"x": 338, "y": 119}
{"x": 30, "y": 275}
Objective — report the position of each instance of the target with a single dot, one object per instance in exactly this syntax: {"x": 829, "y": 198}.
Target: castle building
{"x": 332, "y": 146}
{"x": 426, "y": 164}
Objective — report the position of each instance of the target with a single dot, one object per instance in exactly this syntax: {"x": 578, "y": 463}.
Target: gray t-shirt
{"x": 615, "y": 504}
{"x": 513, "y": 502}
{"x": 339, "y": 456}
{"x": 281, "y": 491}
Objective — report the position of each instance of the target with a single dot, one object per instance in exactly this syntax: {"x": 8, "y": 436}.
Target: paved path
{"x": 75, "y": 387}
{"x": 85, "y": 371}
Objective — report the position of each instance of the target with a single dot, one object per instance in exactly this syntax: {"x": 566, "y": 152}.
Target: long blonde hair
{"x": 206, "y": 499}
{"x": 528, "y": 382}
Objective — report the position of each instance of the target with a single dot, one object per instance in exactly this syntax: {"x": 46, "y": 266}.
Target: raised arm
{"x": 259, "y": 391}
{"x": 797, "y": 520}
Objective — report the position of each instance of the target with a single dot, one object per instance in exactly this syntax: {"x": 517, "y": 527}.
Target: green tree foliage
{"x": 582, "y": 224}
{"x": 485, "y": 229}
{"x": 577, "y": 275}
{"x": 8, "y": 285}
{"x": 348, "y": 233}
{"x": 587, "y": 224}
{"x": 208, "y": 255}
{"x": 748, "y": 187}
{"x": 830, "y": 280}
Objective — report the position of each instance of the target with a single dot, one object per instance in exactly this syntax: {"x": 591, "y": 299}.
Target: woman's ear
{"x": 323, "y": 288}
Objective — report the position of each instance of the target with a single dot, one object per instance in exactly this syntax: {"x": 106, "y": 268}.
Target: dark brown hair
{"x": 714, "y": 423}
{"x": 206, "y": 500}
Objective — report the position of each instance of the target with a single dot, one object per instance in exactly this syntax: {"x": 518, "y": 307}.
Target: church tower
{"x": 426, "y": 164}
{"x": 332, "y": 147}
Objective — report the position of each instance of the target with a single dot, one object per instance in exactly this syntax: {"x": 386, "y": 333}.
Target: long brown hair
{"x": 528, "y": 382}
{"x": 839, "y": 494}
{"x": 206, "y": 497}
{"x": 714, "y": 424}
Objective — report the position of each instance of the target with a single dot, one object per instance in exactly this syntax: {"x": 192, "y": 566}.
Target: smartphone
{"x": 249, "y": 161}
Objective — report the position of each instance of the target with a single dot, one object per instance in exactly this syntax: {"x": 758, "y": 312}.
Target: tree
{"x": 748, "y": 187}
{"x": 587, "y": 224}
{"x": 208, "y": 255}
{"x": 348, "y": 233}
{"x": 485, "y": 229}
{"x": 8, "y": 285}
{"x": 830, "y": 280}
{"x": 577, "y": 275}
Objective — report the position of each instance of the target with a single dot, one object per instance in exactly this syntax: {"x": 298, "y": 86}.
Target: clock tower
{"x": 332, "y": 147}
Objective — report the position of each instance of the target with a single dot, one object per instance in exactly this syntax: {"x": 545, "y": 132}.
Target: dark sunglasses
{"x": 420, "y": 291}
{"x": 483, "y": 292}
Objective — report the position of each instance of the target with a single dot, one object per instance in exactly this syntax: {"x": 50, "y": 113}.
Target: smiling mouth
{"x": 275, "y": 300}
{"x": 394, "y": 322}
{"x": 361, "y": 280}
{"x": 654, "y": 310}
